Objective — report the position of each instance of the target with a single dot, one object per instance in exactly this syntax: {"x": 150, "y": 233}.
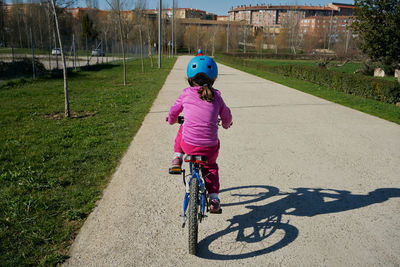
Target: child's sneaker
{"x": 215, "y": 206}
{"x": 177, "y": 162}
{"x": 176, "y": 167}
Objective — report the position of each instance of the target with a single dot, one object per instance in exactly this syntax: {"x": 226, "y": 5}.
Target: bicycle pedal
{"x": 175, "y": 170}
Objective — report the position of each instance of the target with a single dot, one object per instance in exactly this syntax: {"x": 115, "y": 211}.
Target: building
{"x": 275, "y": 17}
{"x": 182, "y": 13}
{"x": 334, "y": 24}
{"x": 222, "y": 18}
{"x": 80, "y": 11}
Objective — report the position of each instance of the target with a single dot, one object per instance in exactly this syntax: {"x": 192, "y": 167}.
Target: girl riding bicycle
{"x": 198, "y": 135}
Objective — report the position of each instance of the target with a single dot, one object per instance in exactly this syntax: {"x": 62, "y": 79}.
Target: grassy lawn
{"x": 386, "y": 111}
{"x": 52, "y": 170}
{"x": 23, "y": 51}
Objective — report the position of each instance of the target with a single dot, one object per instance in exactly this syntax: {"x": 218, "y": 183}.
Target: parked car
{"x": 56, "y": 51}
{"x": 98, "y": 52}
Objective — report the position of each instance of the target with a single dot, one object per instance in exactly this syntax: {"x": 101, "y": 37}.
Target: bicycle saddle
{"x": 196, "y": 159}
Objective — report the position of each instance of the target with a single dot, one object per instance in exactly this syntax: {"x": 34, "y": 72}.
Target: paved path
{"x": 305, "y": 183}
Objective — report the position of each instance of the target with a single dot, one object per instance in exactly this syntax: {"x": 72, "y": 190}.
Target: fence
{"x": 76, "y": 52}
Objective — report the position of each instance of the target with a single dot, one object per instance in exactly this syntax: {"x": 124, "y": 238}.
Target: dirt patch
{"x": 74, "y": 115}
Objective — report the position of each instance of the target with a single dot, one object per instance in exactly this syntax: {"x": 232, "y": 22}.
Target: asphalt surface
{"x": 52, "y": 63}
{"x": 304, "y": 182}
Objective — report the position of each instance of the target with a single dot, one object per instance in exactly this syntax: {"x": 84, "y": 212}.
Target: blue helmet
{"x": 202, "y": 64}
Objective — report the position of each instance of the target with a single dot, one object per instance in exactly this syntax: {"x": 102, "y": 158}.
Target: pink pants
{"x": 210, "y": 169}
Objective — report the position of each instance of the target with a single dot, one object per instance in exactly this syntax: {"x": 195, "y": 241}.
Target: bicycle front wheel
{"x": 193, "y": 215}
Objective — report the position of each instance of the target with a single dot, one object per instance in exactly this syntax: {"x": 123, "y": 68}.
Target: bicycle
{"x": 195, "y": 202}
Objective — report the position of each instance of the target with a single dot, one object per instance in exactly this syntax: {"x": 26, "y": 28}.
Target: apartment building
{"x": 182, "y": 13}
{"x": 334, "y": 24}
{"x": 275, "y": 17}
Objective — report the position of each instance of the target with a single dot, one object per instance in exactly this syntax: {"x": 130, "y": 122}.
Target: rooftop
{"x": 330, "y": 7}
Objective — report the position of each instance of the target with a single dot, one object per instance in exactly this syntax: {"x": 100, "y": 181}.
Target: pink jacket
{"x": 201, "y": 117}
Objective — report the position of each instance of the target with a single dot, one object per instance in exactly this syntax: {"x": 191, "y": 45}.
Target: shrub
{"x": 22, "y": 67}
{"x": 368, "y": 68}
{"x": 368, "y": 87}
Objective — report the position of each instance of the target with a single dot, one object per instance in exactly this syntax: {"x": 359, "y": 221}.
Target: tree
{"x": 117, "y": 6}
{"x": 282, "y": 39}
{"x": 66, "y": 98}
{"x": 377, "y": 25}
{"x": 140, "y": 6}
{"x": 87, "y": 27}
{"x": 259, "y": 41}
{"x": 2, "y": 23}
{"x": 291, "y": 23}
{"x": 189, "y": 40}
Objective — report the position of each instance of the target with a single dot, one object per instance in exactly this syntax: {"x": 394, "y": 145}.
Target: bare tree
{"x": 139, "y": 22}
{"x": 17, "y": 11}
{"x": 66, "y": 98}
{"x": 213, "y": 36}
{"x": 150, "y": 29}
{"x": 290, "y": 27}
{"x": 189, "y": 40}
{"x": 2, "y": 23}
{"x": 117, "y": 6}
{"x": 281, "y": 40}
{"x": 259, "y": 40}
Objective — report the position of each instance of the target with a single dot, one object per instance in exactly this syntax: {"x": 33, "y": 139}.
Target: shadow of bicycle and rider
{"x": 267, "y": 228}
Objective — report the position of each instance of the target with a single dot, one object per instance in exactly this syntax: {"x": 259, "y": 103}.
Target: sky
{"x": 221, "y": 7}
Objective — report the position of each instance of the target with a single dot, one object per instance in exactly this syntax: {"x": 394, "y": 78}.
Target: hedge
{"x": 286, "y": 56}
{"x": 368, "y": 87}
{"x": 21, "y": 67}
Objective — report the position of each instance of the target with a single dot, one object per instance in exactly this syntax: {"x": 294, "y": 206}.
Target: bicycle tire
{"x": 193, "y": 215}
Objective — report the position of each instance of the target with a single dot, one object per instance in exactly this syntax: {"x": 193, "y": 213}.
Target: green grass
{"x": 386, "y": 111}
{"x": 52, "y": 171}
{"x": 350, "y": 67}
{"x": 23, "y": 51}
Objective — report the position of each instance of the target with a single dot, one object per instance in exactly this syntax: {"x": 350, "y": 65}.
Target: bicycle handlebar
{"x": 181, "y": 120}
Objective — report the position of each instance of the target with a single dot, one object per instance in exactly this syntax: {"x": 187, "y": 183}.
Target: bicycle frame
{"x": 195, "y": 174}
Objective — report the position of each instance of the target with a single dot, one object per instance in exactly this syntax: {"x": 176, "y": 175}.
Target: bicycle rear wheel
{"x": 193, "y": 215}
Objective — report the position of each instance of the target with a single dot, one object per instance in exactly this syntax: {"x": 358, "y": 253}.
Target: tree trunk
{"x": 122, "y": 43}
{"x": 141, "y": 47}
{"x": 49, "y": 33}
{"x": 19, "y": 30}
{"x": 66, "y": 102}
{"x": 150, "y": 50}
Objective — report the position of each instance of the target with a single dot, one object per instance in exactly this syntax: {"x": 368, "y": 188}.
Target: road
{"x": 52, "y": 62}
{"x": 304, "y": 182}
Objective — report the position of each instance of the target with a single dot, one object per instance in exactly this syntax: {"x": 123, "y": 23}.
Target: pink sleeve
{"x": 224, "y": 113}
{"x": 175, "y": 110}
